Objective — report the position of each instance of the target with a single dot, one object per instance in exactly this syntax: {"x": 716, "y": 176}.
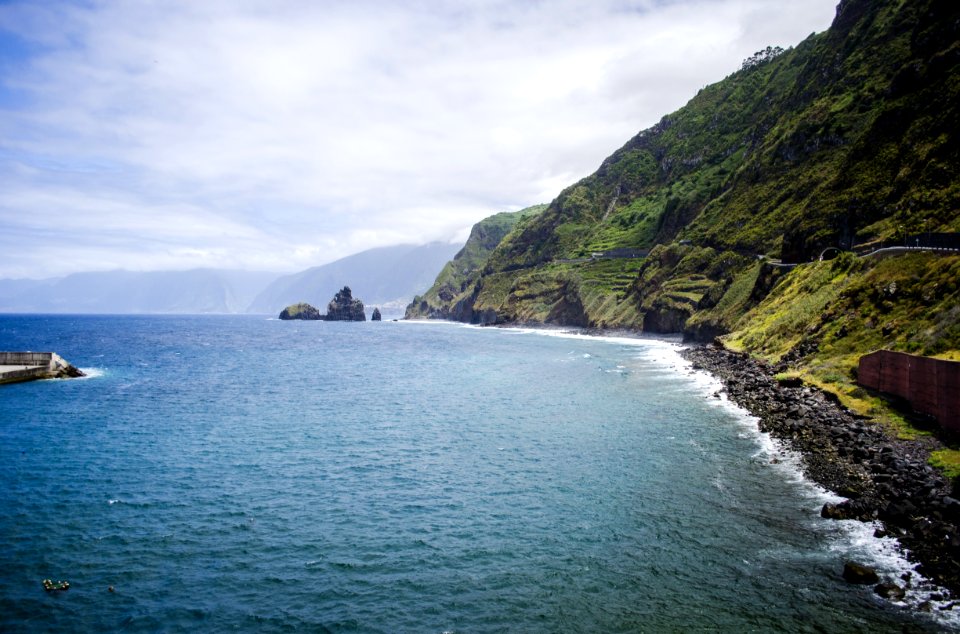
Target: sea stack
{"x": 376, "y": 315}
{"x": 343, "y": 307}
{"x": 300, "y": 311}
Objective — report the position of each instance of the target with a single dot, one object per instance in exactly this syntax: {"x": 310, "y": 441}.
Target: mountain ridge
{"x": 384, "y": 276}
{"x": 394, "y": 274}
{"x": 120, "y": 291}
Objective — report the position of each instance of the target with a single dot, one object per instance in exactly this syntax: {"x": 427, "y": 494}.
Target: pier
{"x": 16, "y": 367}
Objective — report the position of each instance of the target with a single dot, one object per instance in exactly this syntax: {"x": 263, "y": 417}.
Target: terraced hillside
{"x": 850, "y": 140}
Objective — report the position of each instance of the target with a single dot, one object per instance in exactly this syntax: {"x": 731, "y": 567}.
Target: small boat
{"x": 51, "y": 586}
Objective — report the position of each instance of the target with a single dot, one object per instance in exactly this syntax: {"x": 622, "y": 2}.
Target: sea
{"x": 240, "y": 473}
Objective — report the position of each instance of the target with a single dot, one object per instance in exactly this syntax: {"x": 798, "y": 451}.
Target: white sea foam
{"x": 850, "y": 539}
{"x": 434, "y": 322}
{"x": 92, "y": 373}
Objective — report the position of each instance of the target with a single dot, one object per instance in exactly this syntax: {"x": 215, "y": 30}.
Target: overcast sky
{"x": 280, "y": 135}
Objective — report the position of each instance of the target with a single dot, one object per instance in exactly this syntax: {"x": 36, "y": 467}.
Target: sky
{"x": 278, "y": 135}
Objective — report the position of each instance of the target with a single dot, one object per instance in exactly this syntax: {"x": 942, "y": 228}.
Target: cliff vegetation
{"x": 714, "y": 221}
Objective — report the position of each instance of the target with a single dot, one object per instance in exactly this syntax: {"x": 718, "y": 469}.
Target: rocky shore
{"x": 883, "y": 477}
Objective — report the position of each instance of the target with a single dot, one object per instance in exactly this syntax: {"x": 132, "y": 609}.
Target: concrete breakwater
{"x": 16, "y": 367}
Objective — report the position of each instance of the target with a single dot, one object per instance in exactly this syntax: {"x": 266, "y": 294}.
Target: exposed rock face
{"x": 301, "y": 311}
{"x": 343, "y": 307}
{"x": 859, "y": 574}
{"x": 376, "y": 315}
{"x": 891, "y": 591}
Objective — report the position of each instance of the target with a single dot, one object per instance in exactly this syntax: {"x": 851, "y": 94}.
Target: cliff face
{"x": 848, "y": 139}
{"x": 449, "y": 295}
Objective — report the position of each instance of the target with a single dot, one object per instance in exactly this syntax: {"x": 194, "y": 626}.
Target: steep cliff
{"x": 451, "y": 290}
{"x": 848, "y": 140}
{"x": 714, "y": 221}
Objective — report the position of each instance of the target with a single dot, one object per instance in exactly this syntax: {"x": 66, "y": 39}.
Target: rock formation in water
{"x": 343, "y": 307}
{"x": 376, "y": 315}
{"x": 301, "y": 311}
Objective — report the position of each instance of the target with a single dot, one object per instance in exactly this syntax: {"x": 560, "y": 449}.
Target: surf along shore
{"x": 884, "y": 478}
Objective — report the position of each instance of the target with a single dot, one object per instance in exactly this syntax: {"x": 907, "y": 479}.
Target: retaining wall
{"x": 26, "y": 358}
{"x": 932, "y": 386}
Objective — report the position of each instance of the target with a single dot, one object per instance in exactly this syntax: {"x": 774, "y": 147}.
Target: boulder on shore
{"x": 343, "y": 307}
{"x": 890, "y": 591}
{"x": 300, "y": 311}
{"x": 859, "y": 574}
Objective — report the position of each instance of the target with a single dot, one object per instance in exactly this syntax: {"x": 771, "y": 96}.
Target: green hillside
{"x": 849, "y": 142}
{"x": 459, "y": 274}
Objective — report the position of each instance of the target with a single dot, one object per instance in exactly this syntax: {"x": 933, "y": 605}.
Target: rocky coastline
{"x": 884, "y": 478}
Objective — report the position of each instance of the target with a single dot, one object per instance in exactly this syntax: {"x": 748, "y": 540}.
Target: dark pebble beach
{"x": 883, "y": 478}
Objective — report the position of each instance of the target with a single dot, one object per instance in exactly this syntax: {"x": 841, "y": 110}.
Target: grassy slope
{"x": 852, "y": 137}
{"x": 823, "y": 316}
{"x": 458, "y": 274}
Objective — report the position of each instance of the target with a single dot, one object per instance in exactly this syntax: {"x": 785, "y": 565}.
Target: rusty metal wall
{"x": 932, "y": 386}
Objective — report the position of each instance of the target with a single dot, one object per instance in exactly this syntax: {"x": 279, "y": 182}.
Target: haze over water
{"x": 257, "y": 475}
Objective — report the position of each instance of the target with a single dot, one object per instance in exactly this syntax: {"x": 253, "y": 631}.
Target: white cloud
{"x": 286, "y": 134}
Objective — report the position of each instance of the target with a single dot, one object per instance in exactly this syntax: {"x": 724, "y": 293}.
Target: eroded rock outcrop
{"x": 301, "y": 311}
{"x": 343, "y": 307}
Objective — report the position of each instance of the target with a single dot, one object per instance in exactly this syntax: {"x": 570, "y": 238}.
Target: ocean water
{"x": 246, "y": 474}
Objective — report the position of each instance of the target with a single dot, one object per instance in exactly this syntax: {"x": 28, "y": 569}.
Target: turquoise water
{"x": 238, "y": 473}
